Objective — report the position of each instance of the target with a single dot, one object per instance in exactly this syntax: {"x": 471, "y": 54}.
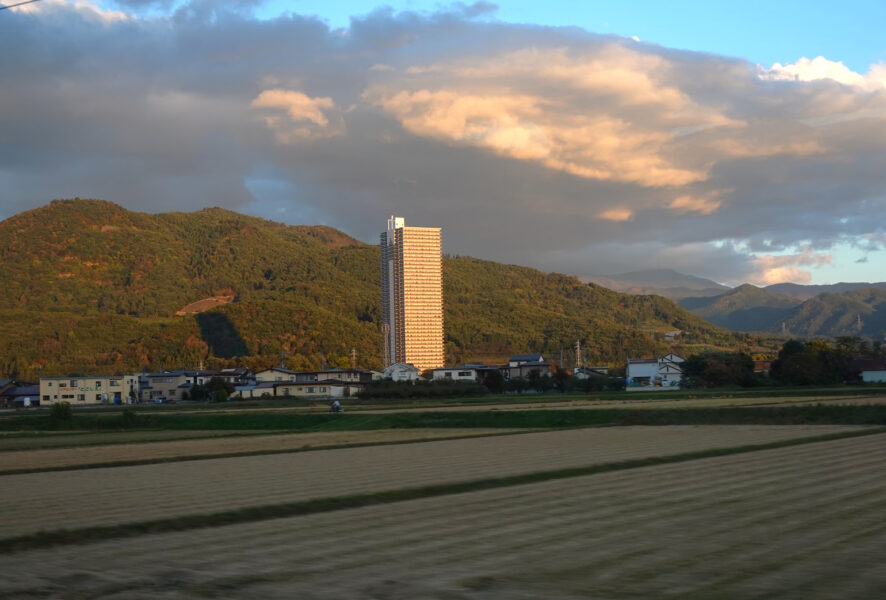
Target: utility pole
{"x": 353, "y": 358}
{"x": 579, "y": 362}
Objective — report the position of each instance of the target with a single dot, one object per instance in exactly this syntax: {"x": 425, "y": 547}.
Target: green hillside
{"x": 745, "y": 308}
{"x": 91, "y": 286}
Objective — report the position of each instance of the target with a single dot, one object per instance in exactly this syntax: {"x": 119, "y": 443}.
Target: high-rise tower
{"x": 411, "y": 295}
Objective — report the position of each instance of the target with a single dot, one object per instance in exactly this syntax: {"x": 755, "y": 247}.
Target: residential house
{"x": 654, "y": 373}
{"x": 402, "y": 372}
{"x": 524, "y": 365}
{"x": 18, "y": 394}
{"x": 275, "y": 375}
{"x": 871, "y": 370}
{"x": 588, "y": 372}
{"x": 94, "y": 389}
{"x": 165, "y": 386}
{"x": 341, "y": 375}
{"x": 468, "y": 373}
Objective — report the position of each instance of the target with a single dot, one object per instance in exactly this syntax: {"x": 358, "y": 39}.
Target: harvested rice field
{"x": 109, "y": 496}
{"x": 159, "y": 450}
{"x": 802, "y": 522}
{"x": 10, "y": 442}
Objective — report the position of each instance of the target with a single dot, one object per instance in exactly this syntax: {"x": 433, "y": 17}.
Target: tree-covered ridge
{"x": 858, "y": 312}
{"x": 745, "y": 308}
{"x": 94, "y": 287}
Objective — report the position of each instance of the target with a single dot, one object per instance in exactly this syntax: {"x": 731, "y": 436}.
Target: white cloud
{"x": 819, "y": 68}
{"x": 85, "y": 9}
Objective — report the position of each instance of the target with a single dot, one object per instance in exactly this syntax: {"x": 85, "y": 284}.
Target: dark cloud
{"x": 553, "y": 147}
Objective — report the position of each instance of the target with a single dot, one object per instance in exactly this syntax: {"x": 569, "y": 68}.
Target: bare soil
{"x": 800, "y": 523}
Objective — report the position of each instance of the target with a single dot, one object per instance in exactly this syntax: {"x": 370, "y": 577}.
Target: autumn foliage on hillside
{"x": 92, "y": 287}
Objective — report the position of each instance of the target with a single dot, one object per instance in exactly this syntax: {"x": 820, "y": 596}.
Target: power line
{"x": 5, "y": 6}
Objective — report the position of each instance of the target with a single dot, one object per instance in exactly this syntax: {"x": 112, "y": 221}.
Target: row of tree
{"x": 798, "y": 363}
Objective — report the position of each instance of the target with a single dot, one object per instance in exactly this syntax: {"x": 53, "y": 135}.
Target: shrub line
{"x": 65, "y": 537}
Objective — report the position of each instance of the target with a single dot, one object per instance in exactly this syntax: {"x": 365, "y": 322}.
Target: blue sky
{"x": 763, "y": 32}
{"x": 570, "y": 136}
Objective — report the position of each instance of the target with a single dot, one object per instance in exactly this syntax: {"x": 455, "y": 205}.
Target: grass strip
{"x": 65, "y": 537}
{"x": 816, "y": 414}
{"x": 306, "y": 448}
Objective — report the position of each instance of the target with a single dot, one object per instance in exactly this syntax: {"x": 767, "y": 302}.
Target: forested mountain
{"x": 745, "y": 308}
{"x": 90, "y": 286}
{"x": 859, "y": 312}
{"x": 856, "y": 313}
{"x": 805, "y": 292}
{"x": 664, "y": 282}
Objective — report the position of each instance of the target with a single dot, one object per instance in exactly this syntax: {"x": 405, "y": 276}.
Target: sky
{"x": 744, "y": 143}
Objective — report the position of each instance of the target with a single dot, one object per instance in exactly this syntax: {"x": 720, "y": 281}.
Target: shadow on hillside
{"x": 221, "y": 335}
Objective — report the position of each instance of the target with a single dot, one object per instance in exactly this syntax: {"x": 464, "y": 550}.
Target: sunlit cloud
{"x": 560, "y": 144}
{"x": 303, "y": 118}
{"x": 616, "y": 214}
{"x": 771, "y": 269}
{"x": 704, "y": 205}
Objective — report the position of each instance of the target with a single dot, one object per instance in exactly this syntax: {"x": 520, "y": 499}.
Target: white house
{"x": 461, "y": 373}
{"x": 654, "y": 373}
{"x": 402, "y": 372}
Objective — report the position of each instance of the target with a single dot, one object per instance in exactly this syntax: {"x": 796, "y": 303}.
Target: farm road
{"x": 109, "y": 496}
{"x": 803, "y": 522}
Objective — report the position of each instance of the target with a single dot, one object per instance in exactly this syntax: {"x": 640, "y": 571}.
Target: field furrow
{"x": 73, "y": 499}
{"x": 243, "y": 444}
{"x": 802, "y": 522}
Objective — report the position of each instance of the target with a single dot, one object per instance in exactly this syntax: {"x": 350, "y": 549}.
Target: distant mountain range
{"x": 805, "y": 292}
{"x": 859, "y": 312}
{"x": 89, "y": 286}
{"x": 855, "y": 308}
{"x": 663, "y": 282}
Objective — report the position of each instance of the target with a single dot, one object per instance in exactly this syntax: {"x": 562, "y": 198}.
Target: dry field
{"x": 108, "y": 496}
{"x": 654, "y": 403}
{"x": 12, "y": 441}
{"x": 91, "y": 455}
{"x": 803, "y": 523}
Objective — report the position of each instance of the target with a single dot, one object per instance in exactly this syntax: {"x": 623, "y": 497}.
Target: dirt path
{"x": 795, "y": 523}
{"x": 75, "y": 499}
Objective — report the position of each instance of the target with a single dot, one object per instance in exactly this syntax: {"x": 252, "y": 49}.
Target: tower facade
{"x": 411, "y": 295}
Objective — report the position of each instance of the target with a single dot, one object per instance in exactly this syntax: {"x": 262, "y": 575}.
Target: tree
{"x": 493, "y": 381}
{"x": 561, "y": 379}
{"x": 60, "y": 414}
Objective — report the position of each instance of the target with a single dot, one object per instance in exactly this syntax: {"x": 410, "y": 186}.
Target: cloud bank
{"x": 553, "y": 147}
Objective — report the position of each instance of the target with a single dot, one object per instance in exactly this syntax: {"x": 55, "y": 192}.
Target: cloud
{"x": 705, "y": 205}
{"x": 617, "y": 214}
{"x": 820, "y": 68}
{"x": 787, "y": 268}
{"x": 305, "y": 117}
{"x": 553, "y": 147}
{"x": 602, "y": 115}
{"x": 83, "y": 8}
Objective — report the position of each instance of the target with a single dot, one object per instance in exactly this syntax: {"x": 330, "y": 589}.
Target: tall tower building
{"x": 411, "y": 295}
